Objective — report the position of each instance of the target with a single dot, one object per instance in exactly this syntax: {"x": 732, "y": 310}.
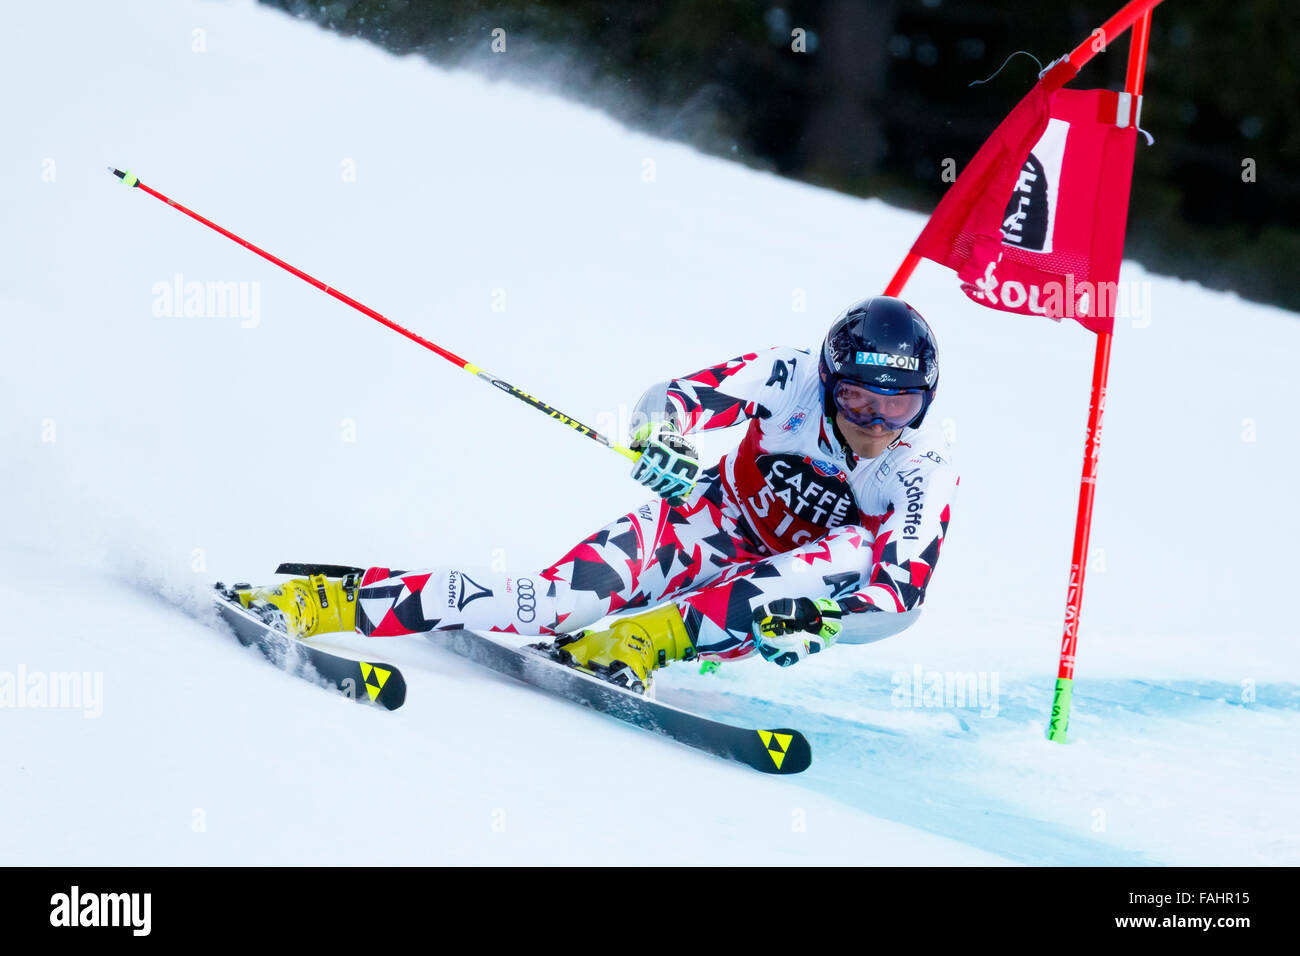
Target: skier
{"x": 824, "y": 524}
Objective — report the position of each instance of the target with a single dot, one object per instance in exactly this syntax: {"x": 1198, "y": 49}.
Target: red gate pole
{"x": 903, "y": 274}
{"x": 1063, "y": 692}
{"x": 1137, "y": 14}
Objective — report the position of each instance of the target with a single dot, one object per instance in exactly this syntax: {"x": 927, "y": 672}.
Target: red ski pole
{"x": 130, "y": 179}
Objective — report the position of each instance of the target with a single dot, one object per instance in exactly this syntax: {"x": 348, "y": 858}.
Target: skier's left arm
{"x": 904, "y": 555}
{"x": 906, "y": 549}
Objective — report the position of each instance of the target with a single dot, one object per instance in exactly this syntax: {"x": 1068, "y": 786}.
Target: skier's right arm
{"x": 668, "y": 464}
{"x": 751, "y": 386}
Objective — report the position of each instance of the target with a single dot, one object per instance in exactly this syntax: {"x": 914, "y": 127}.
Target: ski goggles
{"x": 865, "y": 405}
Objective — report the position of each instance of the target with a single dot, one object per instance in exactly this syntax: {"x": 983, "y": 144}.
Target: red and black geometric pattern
{"x": 653, "y": 554}
{"x": 700, "y": 403}
{"x": 899, "y": 585}
{"x": 799, "y": 517}
{"x": 390, "y": 603}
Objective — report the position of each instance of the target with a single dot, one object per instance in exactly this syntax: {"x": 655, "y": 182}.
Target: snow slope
{"x": 147, "y": 455}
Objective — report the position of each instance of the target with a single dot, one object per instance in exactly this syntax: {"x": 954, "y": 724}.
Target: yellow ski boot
{"x": 628, "y": 652}
{"x": 303, "y": 607}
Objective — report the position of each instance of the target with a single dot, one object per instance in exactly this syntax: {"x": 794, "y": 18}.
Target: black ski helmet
{"x": 881, "y": 342}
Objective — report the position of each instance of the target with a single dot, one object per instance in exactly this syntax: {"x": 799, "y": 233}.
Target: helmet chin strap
{"x": 832, "y": 419}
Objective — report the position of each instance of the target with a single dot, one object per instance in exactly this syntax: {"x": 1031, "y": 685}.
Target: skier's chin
{"x": 867, "y": 441}
{"x": 873, "y": 431}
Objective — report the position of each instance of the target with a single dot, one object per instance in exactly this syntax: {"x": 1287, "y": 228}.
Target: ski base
{"x": 777, "y": 751}
{"x": 362, "y": 681}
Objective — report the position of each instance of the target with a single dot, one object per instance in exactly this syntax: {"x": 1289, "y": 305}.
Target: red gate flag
{"x": 1035, "y": 224}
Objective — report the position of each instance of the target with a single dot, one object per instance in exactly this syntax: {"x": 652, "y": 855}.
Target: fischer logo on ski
{"x": 781, "y": 742}
{"x": 384, "y": 684}
{"x": 780, "y": 750}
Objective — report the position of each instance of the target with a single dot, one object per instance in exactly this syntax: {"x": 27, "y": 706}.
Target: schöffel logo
{"x": 907, "y": 362}
{"x": 913, "y": 483}
{"x": 466, "y": 596}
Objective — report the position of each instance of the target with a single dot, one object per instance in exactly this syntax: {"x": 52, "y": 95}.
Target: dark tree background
{"x": 879, "y": 97}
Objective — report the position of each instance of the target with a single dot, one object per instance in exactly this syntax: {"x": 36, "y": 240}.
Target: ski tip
{"x": 384, "y": 683}
{"x": 128, "y": 178}
{"x": 788, "y": 751}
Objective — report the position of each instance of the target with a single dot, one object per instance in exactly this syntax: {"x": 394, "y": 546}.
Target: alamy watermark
{"x": 53, "y": 690}
{"x": 946, "y": 689}
{"x": 1066, "y": 300}
{"x": 177, "y": 299}
{"x": 624, "y": 420}
{"x": 128, "y": 910}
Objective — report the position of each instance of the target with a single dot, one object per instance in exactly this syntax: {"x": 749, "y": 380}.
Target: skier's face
{"x": 866, "y": 441}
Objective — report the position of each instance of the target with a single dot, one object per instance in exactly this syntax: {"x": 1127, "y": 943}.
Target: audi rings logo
{"x": 526, "y": 599}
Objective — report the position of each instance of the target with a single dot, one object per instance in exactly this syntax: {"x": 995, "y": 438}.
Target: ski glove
{"x": 788, "y": 630}
{"x": 668, "y": 464}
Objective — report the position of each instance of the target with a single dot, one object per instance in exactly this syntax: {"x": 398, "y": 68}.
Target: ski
{"x": 779, "y": 751}
{"x": 362, "y": 681}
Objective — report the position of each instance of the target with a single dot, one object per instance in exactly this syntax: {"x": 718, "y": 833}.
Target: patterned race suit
{"x": 790, "y": 512}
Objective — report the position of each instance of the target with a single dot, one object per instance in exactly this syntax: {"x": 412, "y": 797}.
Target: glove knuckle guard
{"x": 668, "y": 464}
